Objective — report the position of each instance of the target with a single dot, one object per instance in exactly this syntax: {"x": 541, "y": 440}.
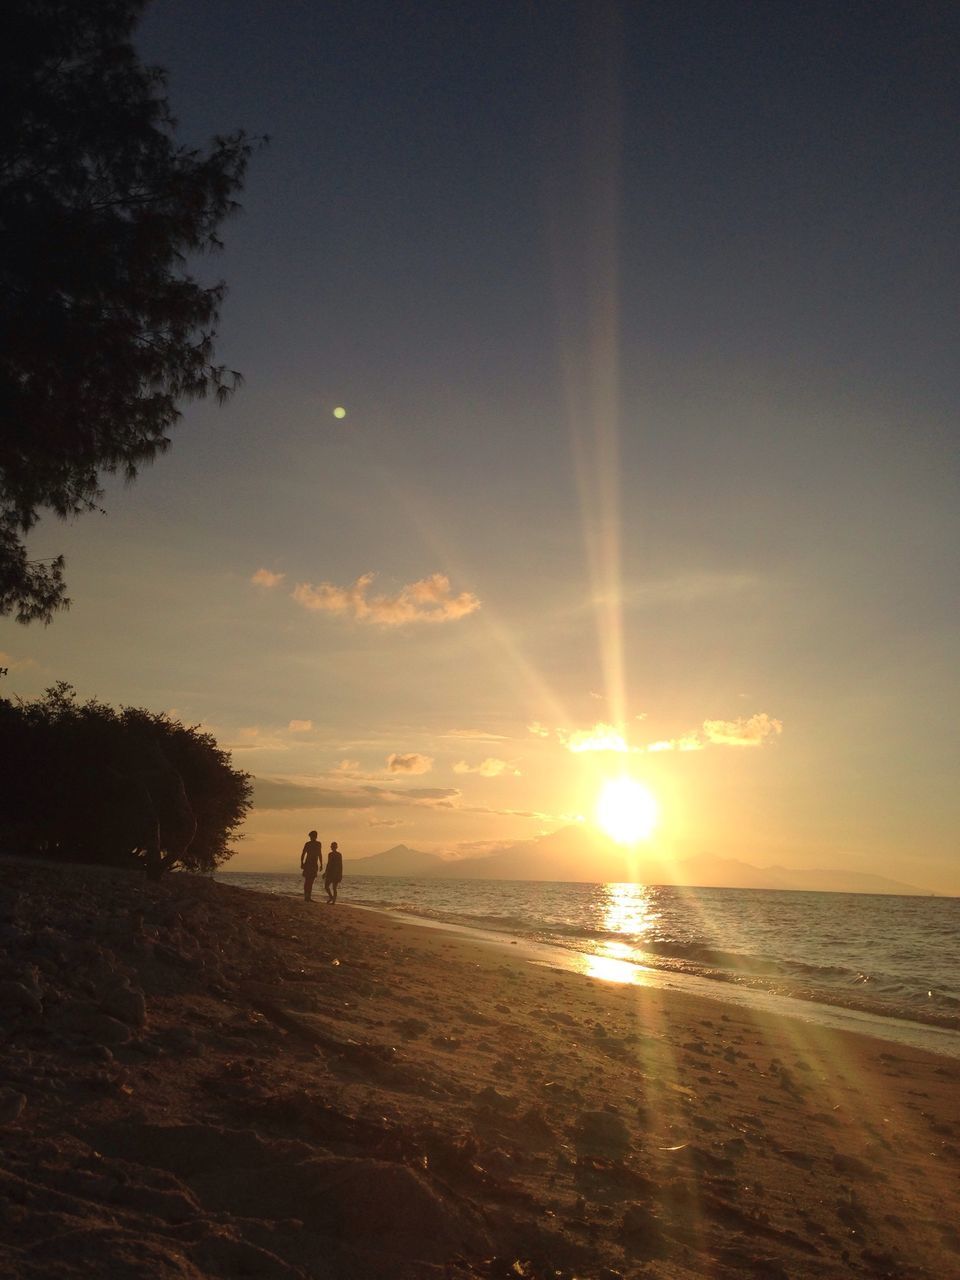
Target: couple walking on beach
{"x": 311, "y": 861}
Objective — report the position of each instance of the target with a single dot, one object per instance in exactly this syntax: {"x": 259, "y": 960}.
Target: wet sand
{"x": 200, "y": 1081}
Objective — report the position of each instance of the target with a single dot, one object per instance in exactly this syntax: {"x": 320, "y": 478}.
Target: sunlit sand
{"x": 251, "y": 1084}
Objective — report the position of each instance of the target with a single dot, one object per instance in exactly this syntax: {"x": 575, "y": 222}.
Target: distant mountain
{"x": 729, "y": 873}
{"x": 580, "y": 854}
{"x": 571, "y": 853}
{"x": 842, "y": 881}
{"x": 398, "y": 861}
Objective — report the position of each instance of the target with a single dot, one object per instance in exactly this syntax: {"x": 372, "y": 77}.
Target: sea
{"x": 888, "y": 966}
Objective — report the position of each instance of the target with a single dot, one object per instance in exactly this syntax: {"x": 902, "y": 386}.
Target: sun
{"x": 627, "y": 810}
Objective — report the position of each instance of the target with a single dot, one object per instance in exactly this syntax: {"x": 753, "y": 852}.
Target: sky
{"x": 644, "y": 320}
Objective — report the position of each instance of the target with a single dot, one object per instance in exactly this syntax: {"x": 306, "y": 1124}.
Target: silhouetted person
{"x": 334, "y": 872}
{"x": 311, "y": 861}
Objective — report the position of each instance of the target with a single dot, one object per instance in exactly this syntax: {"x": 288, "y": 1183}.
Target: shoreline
{"x": 202, "y": 1081}
{"x": 929, "y": 1034}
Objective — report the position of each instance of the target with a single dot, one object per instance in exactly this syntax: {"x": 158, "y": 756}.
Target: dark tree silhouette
{"x": 85, "y": 782}
{"x": 103, "y": 330}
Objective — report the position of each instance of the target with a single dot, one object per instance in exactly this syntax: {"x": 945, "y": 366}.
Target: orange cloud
{"x": 253, "y": 738}
{"x": 300, "y": 726}
{"x": 264, "y": 578}
{"x": 282, "y": 793}
{"x": 489, "y": 768}
{"x": 479, "y": 735}
{"x": 413, "y": 762}
{"x": 602, "y": 737}
{"x": 689, "y": 742}
{"x": 750, "y": 732}
{"x": 428, "y": 600}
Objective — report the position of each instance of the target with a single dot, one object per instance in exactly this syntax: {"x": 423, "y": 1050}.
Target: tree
{"x": 86, "y": 782}
{"x": 103, "y": 330}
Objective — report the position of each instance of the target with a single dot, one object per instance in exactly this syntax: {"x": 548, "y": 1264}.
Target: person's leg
{"x": 308, "y": 887}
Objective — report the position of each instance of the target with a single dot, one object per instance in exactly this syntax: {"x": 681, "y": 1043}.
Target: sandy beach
{"x": 200, "y": 1081}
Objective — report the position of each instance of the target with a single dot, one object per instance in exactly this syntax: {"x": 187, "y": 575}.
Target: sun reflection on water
{"x": 609, "y": 969}
{"x": 630, "y": 911}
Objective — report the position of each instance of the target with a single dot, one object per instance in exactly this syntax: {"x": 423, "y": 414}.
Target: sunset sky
{"x": 644, "y": 319}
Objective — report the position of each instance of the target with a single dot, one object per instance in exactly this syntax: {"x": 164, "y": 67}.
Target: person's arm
{"x": 303, "y": 856}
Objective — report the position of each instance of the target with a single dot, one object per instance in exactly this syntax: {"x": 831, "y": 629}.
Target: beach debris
{"x": 89, "y": 1022}
{"x": 496, "y": 1101}
{"x": 16, "y": 997}
{"x": 463, "y": 1183}
{"x": 412, "y": 1028}
{"x": 603, "y": 1132}
{"x": 853, "y": 1165}
{"x": 12, "y": 1106}
{"x": 642, "y": 1227}
{"x": 535, "y": 1129}
{"x": 450, "y": 1043}
{"x": 180, "y": 1041}
{"x": 125, "y": 1003}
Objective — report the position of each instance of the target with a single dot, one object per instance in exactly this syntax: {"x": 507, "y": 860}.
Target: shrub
{"x": 86, "y": 782}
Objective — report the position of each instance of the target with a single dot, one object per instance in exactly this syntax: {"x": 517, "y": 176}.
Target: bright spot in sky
{"x": 339, "y": 411}
{"x": 626, "y": 810}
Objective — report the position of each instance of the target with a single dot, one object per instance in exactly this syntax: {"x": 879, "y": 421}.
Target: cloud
{"x": 518, "y": 813}
{"x": 275, "y": 793}
{"x": 689, "y": 742}
{"x": 428, "y": 600}
{"x": 426, "y": 793}
{"x": 474, "y": 735}
{"x": 300, "y": 726}
{"x": 385, "y": 822}
{"x": 412, "y": 762}
{"x": 264, "y": 578}
{"x": 602, "y": 737}
{"x": 750, "y": 732}
{"x": 281, "y": 793}
{"x": 489, "y": 768}
{"x": 251, "y": 738}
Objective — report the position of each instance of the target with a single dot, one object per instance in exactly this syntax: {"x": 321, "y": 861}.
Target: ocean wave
{"x": 859, "y": 953}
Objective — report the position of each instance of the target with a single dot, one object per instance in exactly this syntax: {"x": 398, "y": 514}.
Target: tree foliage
{"x": 103, "y": 329}
{"x": 73, "y": 786}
